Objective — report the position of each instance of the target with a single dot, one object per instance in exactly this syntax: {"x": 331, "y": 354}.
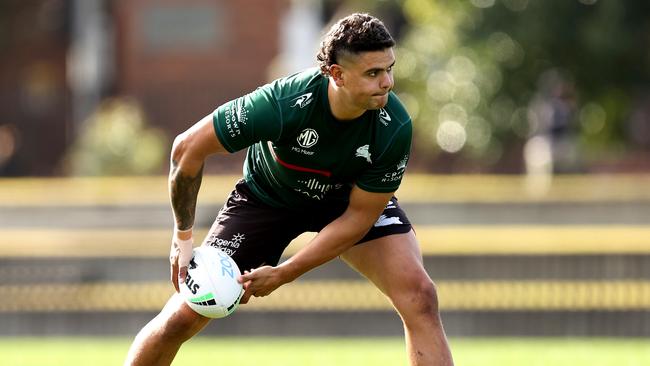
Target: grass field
{"x": 332, "y": 351}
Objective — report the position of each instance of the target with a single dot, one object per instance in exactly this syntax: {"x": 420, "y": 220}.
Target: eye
{"x": 372, "y": 73}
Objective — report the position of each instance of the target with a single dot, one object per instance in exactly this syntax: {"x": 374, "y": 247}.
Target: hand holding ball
{"x": 211, "y": 288}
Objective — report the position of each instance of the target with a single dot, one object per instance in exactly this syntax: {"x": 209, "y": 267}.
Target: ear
{"x": 336, "y": 72}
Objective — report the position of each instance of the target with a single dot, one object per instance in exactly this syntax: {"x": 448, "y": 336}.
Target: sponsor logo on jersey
{"x": 398, "y": 173}
{"x": 296, "y": 167}
{"x": 228, "y": 246}
{"x": 384, "y": 117}
{"x": 235, "y": 115}
{"x": 237, "y": 239}
{"x": 307, "y": 138}
{"x": 241, "y": 113}
{"x": 315, "y": 185}
{"x": 364, "y": 152}
{"x": 402, "y": 164}
{"x": 385, "y": 221}
{"x": 316, "y": 190}
{"x": 302, "y": 101}
{"x": 302, "y": 151}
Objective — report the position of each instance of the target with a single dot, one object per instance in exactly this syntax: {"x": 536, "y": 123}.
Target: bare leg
{"x": 158, "y": 342}
{"x": 394, "y": 264}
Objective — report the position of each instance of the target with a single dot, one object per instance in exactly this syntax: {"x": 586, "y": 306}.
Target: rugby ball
{"x": 211, "y": 288}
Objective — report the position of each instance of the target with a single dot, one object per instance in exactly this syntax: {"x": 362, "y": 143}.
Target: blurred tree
{"x": 117, "y": 141}
{"x": 481, "y": 77}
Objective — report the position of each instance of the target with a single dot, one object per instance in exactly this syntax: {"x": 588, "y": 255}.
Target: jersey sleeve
{"x": 246, "y": 120}
{"x": 385, "y": 174}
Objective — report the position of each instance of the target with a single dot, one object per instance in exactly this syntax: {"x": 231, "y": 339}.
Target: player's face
{"x": 368, "y": 77}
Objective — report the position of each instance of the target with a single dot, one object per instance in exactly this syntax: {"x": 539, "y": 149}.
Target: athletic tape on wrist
{"x": 184, "y": 247}
{"x": 177, "y": 231}
{"x": 184, "y": 251}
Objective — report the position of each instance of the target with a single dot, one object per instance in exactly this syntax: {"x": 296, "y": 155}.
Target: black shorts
{"x": 254, "y": 233}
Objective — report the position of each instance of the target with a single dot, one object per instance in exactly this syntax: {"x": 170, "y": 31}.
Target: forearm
{"x": 189, "y": 151}
{"x": 334, "y": 239}
{"x": 185, "y": 178}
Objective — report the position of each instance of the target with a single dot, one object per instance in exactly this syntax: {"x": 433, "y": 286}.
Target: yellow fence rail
{"x": 415, "y": 188}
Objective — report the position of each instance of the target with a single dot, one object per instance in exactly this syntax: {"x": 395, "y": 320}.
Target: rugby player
{"x": 327, "y": 149}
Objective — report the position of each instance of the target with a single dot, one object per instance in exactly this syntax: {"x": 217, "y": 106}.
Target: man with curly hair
{"x": 327, "y": 149}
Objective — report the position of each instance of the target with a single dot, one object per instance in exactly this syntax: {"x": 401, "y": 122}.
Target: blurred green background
{"x": 100, "y": 87}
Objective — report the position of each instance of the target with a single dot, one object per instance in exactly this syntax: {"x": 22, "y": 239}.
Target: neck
{"x": 340, "y": 105}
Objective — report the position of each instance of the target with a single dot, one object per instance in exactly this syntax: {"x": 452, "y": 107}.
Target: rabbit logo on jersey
{"x": 364, "y": 152}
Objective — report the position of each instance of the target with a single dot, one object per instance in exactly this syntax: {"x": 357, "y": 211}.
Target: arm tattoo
{"x": 183, "y": 191}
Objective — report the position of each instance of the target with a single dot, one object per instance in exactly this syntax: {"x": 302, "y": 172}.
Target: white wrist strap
{"x": 184, "y": 247}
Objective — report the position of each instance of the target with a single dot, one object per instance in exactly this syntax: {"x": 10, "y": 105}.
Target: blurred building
{"x": 182, "y": 59}
{"x": 178, "y": 60}
{"x": 34, "y": 95}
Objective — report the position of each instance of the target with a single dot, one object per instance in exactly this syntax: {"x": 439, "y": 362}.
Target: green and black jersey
{"x": 299, "y": 154}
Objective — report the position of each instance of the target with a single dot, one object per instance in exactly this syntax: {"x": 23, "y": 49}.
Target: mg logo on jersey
{"x": 302, "y": 101}
{"x": 307, "y": 138}
{"x": 384, "y": 118}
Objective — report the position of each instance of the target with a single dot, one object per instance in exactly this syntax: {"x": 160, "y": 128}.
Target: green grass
{"x": 332, "y": 351}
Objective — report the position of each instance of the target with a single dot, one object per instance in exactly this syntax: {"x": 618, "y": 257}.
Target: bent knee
{"x": 421, "y": 299}
{"x": 182, "y": 324}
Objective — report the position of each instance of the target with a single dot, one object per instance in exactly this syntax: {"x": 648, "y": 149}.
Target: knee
{"x": 182, "y": 325}
{"x": 420, "y": 299}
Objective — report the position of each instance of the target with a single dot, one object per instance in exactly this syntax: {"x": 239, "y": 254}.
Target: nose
{"x": 386, "y": 82}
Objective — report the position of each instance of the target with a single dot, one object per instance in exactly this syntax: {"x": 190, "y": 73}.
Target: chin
{"x": 378, "y": 102}
{"x": 381, "y": 104}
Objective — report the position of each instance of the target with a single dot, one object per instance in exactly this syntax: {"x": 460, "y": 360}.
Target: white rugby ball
{"x": 211, "y": 288}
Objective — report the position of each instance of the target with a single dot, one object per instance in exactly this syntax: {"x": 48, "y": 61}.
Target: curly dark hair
{"x": 358, "y": 32}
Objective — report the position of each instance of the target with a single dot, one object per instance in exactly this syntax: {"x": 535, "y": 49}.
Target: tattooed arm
{"x": 189, "y": 152}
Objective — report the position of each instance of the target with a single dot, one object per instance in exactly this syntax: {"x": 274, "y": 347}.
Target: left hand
{"x": 260, "y": 282}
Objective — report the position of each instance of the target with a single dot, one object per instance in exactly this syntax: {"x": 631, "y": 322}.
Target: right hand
{"x": 180, "y": 255}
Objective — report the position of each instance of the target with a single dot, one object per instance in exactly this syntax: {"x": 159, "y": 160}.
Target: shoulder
{"x": 300, "y": 88}
{"x": 394, "y": 130}
{"x": 394, "y": 112}
{"x": 297, "y": 96}
{"x": 393, "y": 121}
